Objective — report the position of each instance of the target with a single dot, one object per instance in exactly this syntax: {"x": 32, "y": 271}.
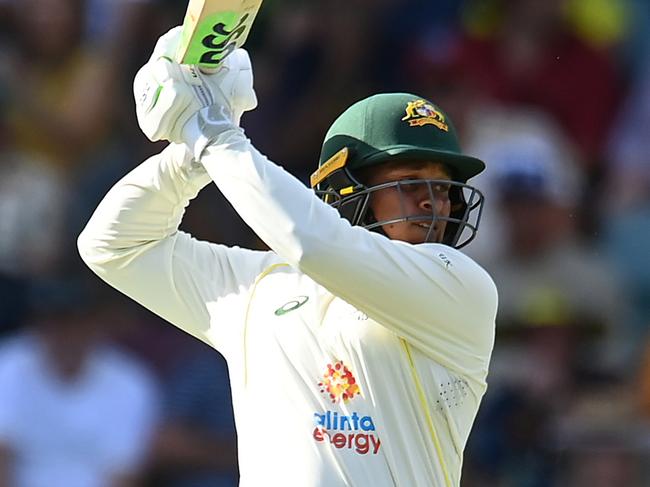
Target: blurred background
{"x": 553, "y": 95}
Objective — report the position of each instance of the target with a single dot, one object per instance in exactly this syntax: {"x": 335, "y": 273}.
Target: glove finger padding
{"x": 234, "y": 82}
{"x": 167, "y": 45}
{"x": 242, "y": 94}
{"x": 168, "y": 94}
{"x": 165, "y": 99}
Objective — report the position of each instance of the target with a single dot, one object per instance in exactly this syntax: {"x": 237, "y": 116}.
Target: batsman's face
{"x": 412, "y": 200}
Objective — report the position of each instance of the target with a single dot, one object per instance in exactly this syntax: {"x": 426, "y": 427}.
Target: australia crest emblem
{"x": 421, "y": 112}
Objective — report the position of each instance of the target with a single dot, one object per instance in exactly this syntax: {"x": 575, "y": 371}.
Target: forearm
{"x": 284, "y": 213}
{"x": 132, "y": 242}
{"x": 146, "y": 206}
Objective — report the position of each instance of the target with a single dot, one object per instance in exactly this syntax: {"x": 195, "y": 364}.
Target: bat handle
{"x": 208, "y": 71}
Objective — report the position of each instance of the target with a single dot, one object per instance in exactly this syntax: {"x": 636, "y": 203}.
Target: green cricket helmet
{"x": 397, "y": 127}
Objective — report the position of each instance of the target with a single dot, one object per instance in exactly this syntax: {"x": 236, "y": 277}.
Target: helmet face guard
{"x": 393, "y": 127}
{"x": 352, "y": 200}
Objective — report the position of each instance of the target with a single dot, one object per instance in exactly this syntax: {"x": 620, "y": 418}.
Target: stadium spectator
{"x": 74, "y": 410}
{"x": 527, "y": 54}
{"x": 60, "y": 91}
{"x": 196, "y": 443}
{"x": 626, "y": 208}
{"x": 550, "y": 279}
{"x": 31, "y": 229}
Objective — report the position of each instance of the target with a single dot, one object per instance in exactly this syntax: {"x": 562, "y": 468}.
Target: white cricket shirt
{"x": 354, "y": 360}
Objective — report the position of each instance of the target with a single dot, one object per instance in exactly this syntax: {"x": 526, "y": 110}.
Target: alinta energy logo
{"x": 354, "y": 432}
{"x": 339, "y": 383}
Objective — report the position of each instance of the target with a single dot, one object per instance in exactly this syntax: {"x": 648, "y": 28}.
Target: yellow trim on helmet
{"x": 347, "y": 191}
{"x": 337, "y": 161}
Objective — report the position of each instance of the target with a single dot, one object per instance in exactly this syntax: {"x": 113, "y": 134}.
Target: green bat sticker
{"x": 215, "y": 38}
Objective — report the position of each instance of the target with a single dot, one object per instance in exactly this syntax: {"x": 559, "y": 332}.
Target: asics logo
{"x": 292, "y": 305}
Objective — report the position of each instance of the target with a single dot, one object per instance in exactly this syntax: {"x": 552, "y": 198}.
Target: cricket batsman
{"x": 358, "y": 347}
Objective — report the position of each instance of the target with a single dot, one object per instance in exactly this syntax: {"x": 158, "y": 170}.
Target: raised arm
{"x": 432, "y": 295}
{"x": 132, "y": 242}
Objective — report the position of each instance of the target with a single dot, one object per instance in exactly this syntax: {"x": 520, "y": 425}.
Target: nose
{"x": 426, "y": 204}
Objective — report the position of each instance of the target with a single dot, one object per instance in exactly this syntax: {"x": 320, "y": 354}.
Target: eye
{"x": 408, "y": 185}
{"x": 441, "y": 189}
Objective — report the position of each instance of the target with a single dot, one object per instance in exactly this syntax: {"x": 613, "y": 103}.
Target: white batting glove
{"x": 168, "y": 95}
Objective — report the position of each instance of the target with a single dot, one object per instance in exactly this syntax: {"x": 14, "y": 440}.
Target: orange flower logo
{"x": 339, "y": 383}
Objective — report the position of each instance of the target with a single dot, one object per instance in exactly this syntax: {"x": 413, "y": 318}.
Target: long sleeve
{"x": 132, "y": 241}
{"x": 432, "y": 295}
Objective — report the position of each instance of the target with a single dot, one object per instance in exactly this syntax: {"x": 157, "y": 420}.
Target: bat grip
{"x": 208, "y": 71}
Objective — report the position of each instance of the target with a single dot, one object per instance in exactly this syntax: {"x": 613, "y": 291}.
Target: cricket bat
{"x": 212, "y": 29}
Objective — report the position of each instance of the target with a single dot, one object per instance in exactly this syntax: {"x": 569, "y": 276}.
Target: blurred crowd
{"x": 554, "y": 95}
